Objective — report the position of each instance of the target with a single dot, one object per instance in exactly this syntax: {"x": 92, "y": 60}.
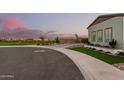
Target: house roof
{"x": 102, "y": 18}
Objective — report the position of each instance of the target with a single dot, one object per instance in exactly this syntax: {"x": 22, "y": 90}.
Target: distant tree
{"x": 57, "y": 40}
{"x": 77, "y": 38}
{"x": 76, "y": 35}
{"x": 42, "y": 38}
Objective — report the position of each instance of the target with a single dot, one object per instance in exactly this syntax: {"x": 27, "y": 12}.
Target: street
{"x": 26, "y": 63}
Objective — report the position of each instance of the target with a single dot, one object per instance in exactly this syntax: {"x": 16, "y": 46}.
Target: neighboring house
{"x": 67, "y": 40}
{"x": 105, "y": 28}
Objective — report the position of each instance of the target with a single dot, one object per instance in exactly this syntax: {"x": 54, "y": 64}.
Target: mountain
{"x": 19, "y": 33}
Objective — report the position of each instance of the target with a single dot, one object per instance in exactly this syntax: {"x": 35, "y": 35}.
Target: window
{"x": 99, "y": 35}
{"x": 93, "y": 36}
{"x": 108, "y": 34}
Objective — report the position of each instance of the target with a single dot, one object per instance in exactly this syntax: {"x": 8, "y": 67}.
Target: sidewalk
{"x": 92, "y": 68}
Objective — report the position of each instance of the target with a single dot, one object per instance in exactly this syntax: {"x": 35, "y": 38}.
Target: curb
{"x": 92, "y": 68}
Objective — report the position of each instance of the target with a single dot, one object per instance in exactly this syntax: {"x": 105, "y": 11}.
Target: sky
{"x": 67, "y": 23}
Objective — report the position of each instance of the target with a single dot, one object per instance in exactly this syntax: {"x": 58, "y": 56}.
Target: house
{"x": 67, "y": 40}
{"x": 105, "y": 28}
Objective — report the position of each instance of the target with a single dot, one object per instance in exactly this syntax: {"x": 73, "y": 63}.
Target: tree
{"x": 42, "y": 38}
{"x": 77, "y": 38}
{"x": 57, "y": 40}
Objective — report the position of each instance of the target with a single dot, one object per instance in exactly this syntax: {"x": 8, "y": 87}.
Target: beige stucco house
{"x": 105, "y": 28}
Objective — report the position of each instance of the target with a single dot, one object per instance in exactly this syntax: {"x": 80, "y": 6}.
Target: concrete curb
{"x": 92, "y": 68}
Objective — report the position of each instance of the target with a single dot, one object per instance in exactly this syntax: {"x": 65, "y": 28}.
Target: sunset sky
{"x": 61, "y": 22}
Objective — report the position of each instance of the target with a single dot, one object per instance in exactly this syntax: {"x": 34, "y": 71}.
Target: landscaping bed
{"x": 106, "y": 57}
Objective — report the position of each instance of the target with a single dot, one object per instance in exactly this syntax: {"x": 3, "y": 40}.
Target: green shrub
{"x": 121, "y": 54}
{"x": 84, "y": 40}
{"x": 113, "y": 43}
{"x": 38, "y": 43}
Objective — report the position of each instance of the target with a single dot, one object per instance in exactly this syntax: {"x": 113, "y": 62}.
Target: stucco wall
{"x": 117, "y": 28}
{"x": 123, "y": 32}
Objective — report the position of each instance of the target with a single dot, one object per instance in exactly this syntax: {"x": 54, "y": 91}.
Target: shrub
{"x": 106, "y": 46}
{"x": 100, "y": 50}
{"x": 84, "y": 40}
{"x": 97, "y": 45}
{"x": 108, "y": 52}
{"x": 113, "y": 43}
{"x": 45, "y": 44}
{"x": 121, "y": 54}
{"x": 38, "y": 43}
{"x": 88, "y": 43}
{"x": 93, "y": 49}
{"x": 90, "y": 48}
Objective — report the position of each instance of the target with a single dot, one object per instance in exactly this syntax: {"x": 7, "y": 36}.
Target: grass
{"x": 23, "y": 42}
{"x": 2, "y": 43}
{"x": 99, "y": 55}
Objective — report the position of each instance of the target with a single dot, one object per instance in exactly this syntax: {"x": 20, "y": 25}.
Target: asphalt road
{"x": 26, "y": 63}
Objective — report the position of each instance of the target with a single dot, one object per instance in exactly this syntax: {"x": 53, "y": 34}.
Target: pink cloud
{"x": 10, "y": 23}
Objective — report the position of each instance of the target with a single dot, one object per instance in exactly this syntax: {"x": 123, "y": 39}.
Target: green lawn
{"x": 2, "y": 43}
{"x": 24, "y": 42}
{"x": 102, "y": 56}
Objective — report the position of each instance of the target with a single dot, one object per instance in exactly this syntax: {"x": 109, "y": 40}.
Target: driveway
{"x": 28, "y": 63}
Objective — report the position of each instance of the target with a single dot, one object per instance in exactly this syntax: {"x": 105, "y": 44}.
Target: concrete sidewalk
{"x": 92, "y": 68}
